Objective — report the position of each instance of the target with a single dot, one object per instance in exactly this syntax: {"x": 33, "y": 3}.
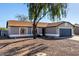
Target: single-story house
{"x": 56, "y": 29}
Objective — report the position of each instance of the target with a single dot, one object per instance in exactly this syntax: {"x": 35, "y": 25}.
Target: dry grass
{"x": 62, "y": 47}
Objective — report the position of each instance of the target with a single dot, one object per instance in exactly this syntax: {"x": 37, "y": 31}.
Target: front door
{"x": 43, "y": 31}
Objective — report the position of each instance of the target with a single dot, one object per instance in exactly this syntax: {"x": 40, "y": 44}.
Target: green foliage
{"x": 54, "y": 11}
{"x": 3, "y": 29}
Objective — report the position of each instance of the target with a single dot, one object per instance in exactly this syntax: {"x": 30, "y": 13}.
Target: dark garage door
{"x": 65, "y": 32}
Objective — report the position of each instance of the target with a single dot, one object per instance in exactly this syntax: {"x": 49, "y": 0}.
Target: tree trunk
{"x": 34, "y": 31}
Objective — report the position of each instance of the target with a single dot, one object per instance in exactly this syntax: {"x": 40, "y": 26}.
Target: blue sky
{"x": 10, "y": 11}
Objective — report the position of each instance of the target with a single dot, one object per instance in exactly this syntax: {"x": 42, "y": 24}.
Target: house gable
{"x": 65, "y": 25}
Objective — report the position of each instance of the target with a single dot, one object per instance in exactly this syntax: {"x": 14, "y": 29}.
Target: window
{"x": 14, "y": 30}
{"x": 29, "y": 30}
{"x": 22, "y": 31}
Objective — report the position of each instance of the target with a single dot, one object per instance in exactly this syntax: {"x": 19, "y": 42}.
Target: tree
{"x": 39, "y": 10}
{"x": 22, "y": 17}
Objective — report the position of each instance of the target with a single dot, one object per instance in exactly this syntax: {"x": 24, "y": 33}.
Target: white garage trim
{"x": 73, "y": 32}
{"x": 52, "y": 34}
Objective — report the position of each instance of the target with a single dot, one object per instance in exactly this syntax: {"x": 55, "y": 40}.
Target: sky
{"x": 9, "y": 11}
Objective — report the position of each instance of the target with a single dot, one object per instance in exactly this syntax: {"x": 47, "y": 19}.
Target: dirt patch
{"x": 64, "y": 47}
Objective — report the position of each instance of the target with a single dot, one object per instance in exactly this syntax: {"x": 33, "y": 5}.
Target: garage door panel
{"x": 65, "y": 32}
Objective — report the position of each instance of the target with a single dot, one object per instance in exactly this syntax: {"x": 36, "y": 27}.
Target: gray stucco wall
{"x": 51, "y": 30}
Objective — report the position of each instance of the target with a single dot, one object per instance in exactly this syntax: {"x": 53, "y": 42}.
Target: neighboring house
{"x": 56, "y": 29}
{"x": 3, "y": 32}
{"x": 76, "y": 29}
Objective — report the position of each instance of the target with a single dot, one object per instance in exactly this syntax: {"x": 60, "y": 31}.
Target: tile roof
{"x": 29, "y": 24}
{"x": 23, "y": 24}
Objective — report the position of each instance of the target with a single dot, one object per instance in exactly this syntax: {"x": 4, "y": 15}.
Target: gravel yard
{"x": 61, "y": 47}
{"x": 58, "y": 47}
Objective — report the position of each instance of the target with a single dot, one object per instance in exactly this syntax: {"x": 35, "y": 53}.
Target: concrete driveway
{"x": 76, "y": 37}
